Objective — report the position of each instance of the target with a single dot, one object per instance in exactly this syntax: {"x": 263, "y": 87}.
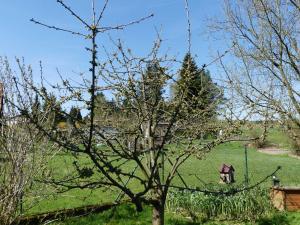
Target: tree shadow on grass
{"x": 276, "y": 219}
{"x": 180, "y": 222}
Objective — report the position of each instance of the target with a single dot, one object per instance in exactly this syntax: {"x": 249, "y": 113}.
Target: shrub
{"x": 295, "y": 144}
{"x": 294, "y": 135}
{"x": 258, "y": 140}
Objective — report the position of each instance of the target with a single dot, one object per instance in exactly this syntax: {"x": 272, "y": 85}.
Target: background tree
{"x": 198, "y": 89}
{"x": 75, "y": 115}
{"x": 52, "y": 108}
{"x": 22, "y": 147}
{"x": 201, "y": 97}
{"x": 152, "y": 85}
{"x": 266, "y": 74}
{"x": 36, "y": 108}
{"x": 100, "y": 105}
{"x": 105, "y": 111}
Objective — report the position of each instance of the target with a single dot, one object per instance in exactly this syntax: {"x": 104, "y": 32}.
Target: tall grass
{"x": 245, "y": 206}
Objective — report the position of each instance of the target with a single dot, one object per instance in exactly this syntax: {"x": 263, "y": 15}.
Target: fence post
{"x": 246, "y": 165}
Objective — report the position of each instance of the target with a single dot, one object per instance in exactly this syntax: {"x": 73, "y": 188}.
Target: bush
{"x": 293, "y": 132}
{"x": 246, "y": 206}
{"x": 295, "y": 144}
{"x": 259, "y": 141}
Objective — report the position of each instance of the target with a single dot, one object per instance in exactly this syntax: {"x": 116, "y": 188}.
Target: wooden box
{"x": 286, "y": 198}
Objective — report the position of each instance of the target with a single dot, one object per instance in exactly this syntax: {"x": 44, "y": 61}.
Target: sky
{"x": 57, "y": 50}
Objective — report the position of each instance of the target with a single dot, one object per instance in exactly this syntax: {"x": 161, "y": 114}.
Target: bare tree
{"x": 266, "y": 74}
{"x": 22, "y": 148}
{"x": 151, "y": 135}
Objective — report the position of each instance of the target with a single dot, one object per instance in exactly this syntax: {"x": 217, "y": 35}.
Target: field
{"x": 260, "y": 165}
{"x": 126, "y": 215}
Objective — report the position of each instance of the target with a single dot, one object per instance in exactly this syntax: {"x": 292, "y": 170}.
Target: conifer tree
{"x": 52, "y": 108}
{"x": 153, "y": 83}
{"x": 75, "y": 115}
{"x": 200, "y": 94}
{"x": 36, "y": 107}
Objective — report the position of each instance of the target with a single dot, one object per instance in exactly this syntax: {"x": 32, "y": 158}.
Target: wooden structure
{"x": 286, "y": 198}
{"x": 160, "y": 133}
{"x": 226, "y": 174}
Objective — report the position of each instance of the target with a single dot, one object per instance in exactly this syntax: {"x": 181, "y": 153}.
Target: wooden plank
{"x": 286, "y": 198}
{"x": 293, "y": 204}
{"x": 292, "y": 192}
{"x": 293, "y": 208}
{"x": 293, "y": 198}
{"x": 293, "y": 195}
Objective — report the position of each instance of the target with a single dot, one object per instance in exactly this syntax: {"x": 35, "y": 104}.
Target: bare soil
{"x": 274, "y": 151}
{"x": 277, "y": 151}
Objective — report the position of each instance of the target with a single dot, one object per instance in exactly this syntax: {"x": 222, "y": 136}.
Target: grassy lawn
{"x": 259, "y": 164}
{"x": 126, "y": 215}
{"x": 279, "y": 138}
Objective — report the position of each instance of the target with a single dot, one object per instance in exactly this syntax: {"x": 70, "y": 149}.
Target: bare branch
{"x": 58, "y": 29}
{"x": 122, "y": 26}
{"x": 74, "y": 14}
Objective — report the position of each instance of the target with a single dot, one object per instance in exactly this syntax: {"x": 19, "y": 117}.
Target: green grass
{"x": 50, "y": 200}
{"x": 275, "y": 136}
{"x": 126, "y": 215}
{"x": 279, "y": 138}
{"x": 260, "y": 165}
{"x": 70, "y": 199}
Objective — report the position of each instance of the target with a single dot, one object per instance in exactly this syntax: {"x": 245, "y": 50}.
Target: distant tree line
{"x": 195, "y": 84}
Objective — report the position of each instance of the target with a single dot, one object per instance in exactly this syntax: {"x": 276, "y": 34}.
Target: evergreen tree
{"x": 104, "y": 109}
{"x": 150, "y": 89}
{"x": 200, "y": 94}
{"x": 100, "y": 104}
{"x": 53, "y": 110}
{"x": 36, "y": 107}
{"x": 153, "y": 83}
{"x": 74, "y": 115}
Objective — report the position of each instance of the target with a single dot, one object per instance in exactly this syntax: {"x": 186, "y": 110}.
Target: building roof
{"x": 226, "y": 168}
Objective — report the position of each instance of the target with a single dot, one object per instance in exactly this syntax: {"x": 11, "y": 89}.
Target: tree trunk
{"x": 158, "y": 213}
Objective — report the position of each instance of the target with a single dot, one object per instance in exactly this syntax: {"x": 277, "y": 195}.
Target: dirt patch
{"x": 295, "y": 156}
{"x": 274, "y": 151}
{"x": 277, "y": 151}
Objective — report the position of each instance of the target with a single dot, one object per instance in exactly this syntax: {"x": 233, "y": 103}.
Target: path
{"x": 277, "y": 151}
